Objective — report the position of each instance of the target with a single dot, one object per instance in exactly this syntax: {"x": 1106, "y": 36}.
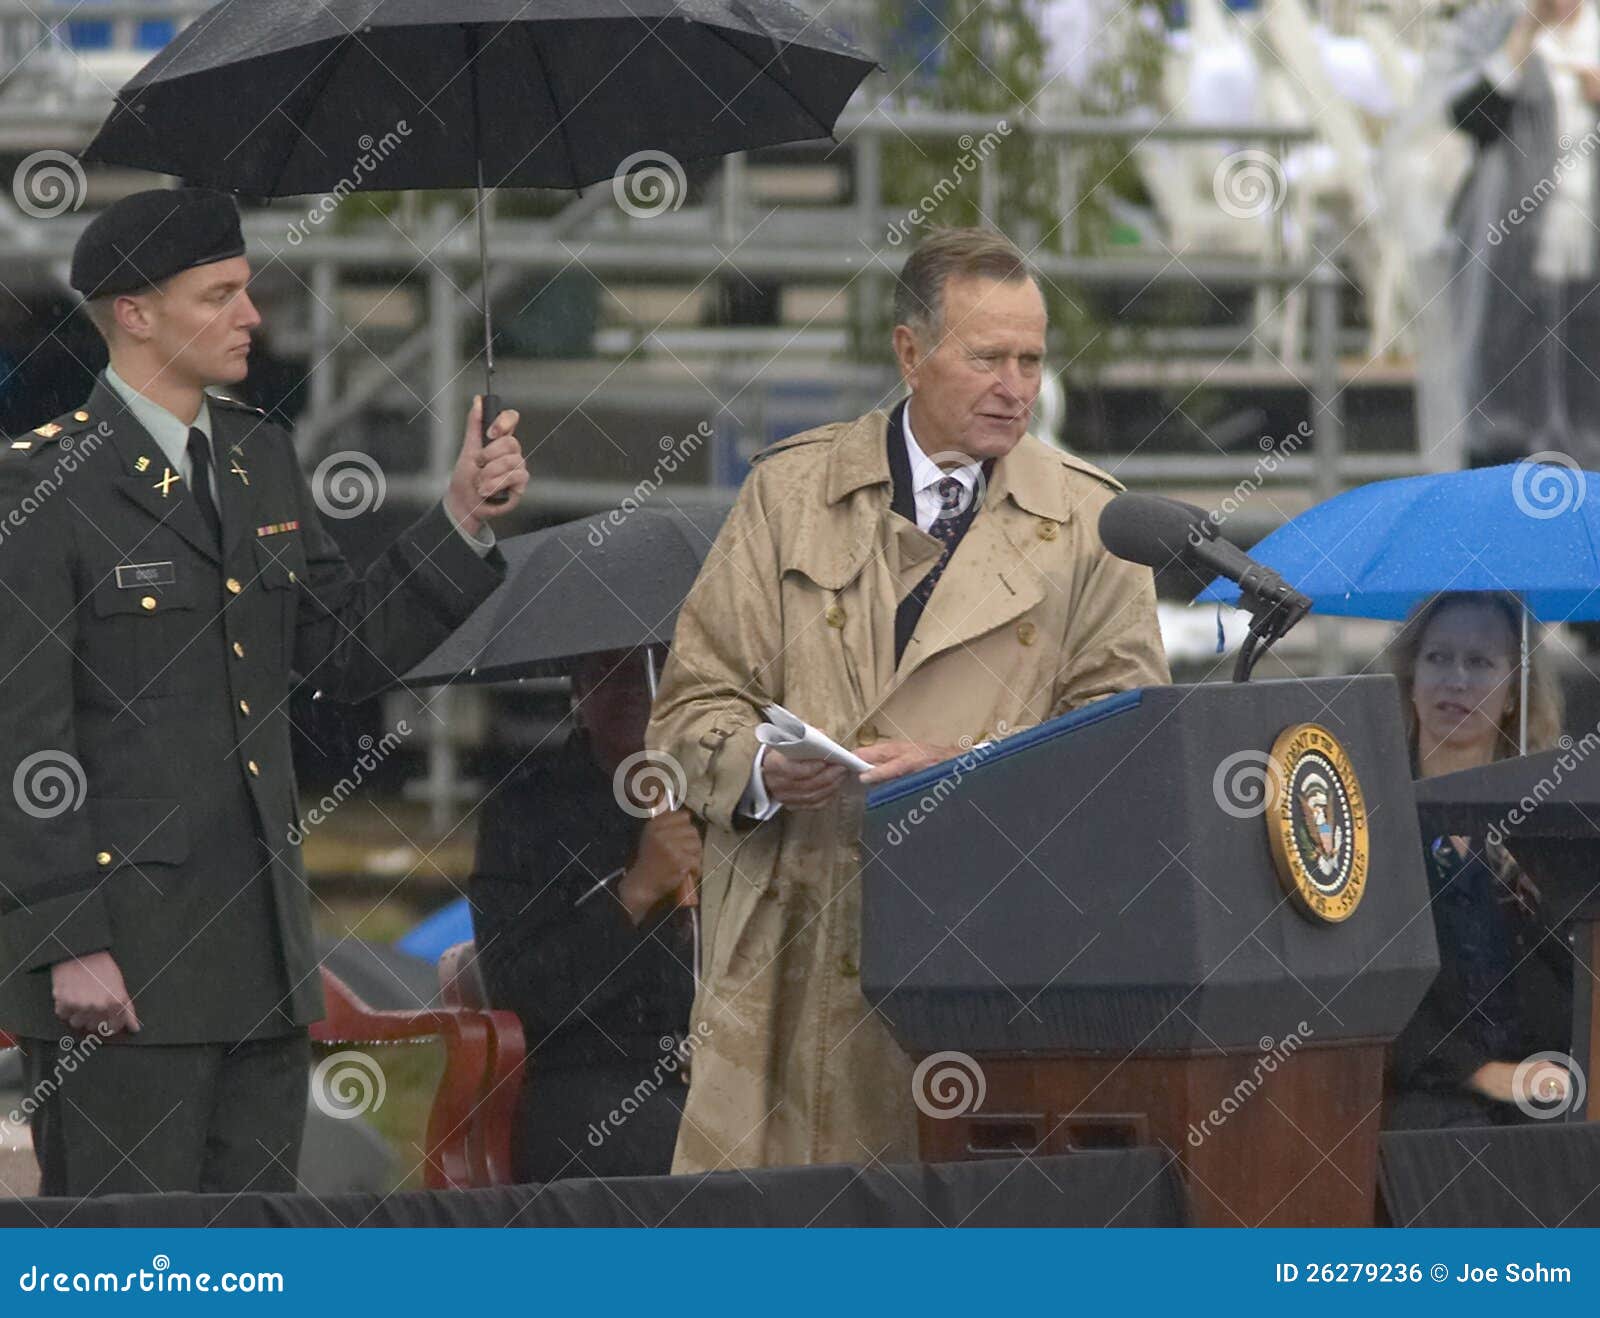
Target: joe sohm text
{"x": 1472, "y": 1274}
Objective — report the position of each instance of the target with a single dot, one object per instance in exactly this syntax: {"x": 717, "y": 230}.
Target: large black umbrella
{"x": 612, "y": 582}
{"x": 289, "y": 97}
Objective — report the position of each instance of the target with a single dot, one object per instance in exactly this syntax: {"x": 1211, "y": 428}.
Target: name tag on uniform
{"x": 131, "y": 576}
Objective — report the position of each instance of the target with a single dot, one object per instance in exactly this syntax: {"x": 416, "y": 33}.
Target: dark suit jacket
{"x": 149, "y": 679}
{"x": 1503, "y": 992}
{"x": 590, "y": 987}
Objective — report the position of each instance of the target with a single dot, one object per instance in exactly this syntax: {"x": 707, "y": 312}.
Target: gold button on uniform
{"x": 148, "y": 603}
{"x": 244, "y": 708}
{"x": 238, "y": 649}
{"x": 867, "y": 735}
{"x": 255, "y": 769}
{"x": 1048, "y": 530}
{"x": 103, "y": 858}
{"x": 292, "y": 577}
{"x": 1027, "y": 633}
{"x": 80, "y": 416}
{"x": 834, "y": 617}
{"x": 233, "y": 585}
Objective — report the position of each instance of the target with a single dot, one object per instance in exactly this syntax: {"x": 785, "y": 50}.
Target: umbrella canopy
{"x": 611, "y": 582}
{"x": 1380, "y": 549}
{"x": 388, "y": 978}
{"x": 287, "y": 97}
{"x": 431, "y": 938}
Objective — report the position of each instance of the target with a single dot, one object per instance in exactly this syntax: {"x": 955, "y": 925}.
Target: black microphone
{"x": 1158, "y": 532}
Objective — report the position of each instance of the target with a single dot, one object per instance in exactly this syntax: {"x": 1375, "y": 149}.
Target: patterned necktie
{"x": 954, "y": 506}
{"x": 200, "y": 484}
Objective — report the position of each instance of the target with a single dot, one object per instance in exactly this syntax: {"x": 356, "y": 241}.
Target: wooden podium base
{"x": 1263, "y": 1138}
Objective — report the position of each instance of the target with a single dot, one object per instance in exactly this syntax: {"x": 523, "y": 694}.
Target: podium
{"x": 1545, "y": 808}
{"x": 1081, "y": 936}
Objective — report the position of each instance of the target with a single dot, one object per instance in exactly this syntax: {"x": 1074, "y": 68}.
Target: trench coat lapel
{"x": 990, "y": 579}
{"x": 862, "y": 525}
{"x": 987, "y": 583}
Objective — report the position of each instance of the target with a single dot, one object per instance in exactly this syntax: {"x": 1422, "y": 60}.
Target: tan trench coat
{"x": 796, "y": 604}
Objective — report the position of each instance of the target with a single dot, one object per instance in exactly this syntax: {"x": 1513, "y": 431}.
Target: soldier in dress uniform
{"x": 163, "y": 571}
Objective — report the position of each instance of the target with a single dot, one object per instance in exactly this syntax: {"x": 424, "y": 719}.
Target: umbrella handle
{"x": 491, "y": 409}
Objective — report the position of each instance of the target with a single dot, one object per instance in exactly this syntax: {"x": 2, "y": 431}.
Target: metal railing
{"x": 843, "y": 244}
{"x": 847, "y": 246}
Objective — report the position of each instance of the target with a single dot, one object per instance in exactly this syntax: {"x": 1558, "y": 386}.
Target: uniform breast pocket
{"x": 140, "y": 637}
{"x": 280, "y": 561}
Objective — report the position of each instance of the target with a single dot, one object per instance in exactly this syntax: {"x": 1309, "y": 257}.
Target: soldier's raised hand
{"x": 485, "y": 469}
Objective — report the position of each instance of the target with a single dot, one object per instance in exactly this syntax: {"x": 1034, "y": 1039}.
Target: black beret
{"x": 135, "y": 243}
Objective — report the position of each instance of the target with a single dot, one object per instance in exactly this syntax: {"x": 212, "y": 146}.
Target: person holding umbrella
{"x": 579, "y": 931}
{"x": 1504, "y": 986}
{"x": 164, "y": 571}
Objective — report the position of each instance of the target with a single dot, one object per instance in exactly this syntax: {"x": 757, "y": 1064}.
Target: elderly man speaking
{"x": 908, "y": 583}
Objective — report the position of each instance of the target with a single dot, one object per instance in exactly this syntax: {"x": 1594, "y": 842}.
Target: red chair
{"x": 468, "y": 1141}
{"x": 462, "y": 988}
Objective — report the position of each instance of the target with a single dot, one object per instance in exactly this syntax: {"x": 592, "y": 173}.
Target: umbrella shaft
{"x": 483, "y": 274}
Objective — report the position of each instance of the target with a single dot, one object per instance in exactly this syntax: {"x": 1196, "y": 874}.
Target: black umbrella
{"x": 289, "y": 97}
{"x": 612, "y": 582}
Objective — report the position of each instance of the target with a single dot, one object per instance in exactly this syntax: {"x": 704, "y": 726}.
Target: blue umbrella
{"x": 442, "y": 930}
{"x": 1377, "y": 551}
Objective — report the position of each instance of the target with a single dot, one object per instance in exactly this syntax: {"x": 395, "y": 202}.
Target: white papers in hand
{"x": 798, "y": 740}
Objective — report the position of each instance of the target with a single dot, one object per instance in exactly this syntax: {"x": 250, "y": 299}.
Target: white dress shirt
{"x": 925, "y": 477}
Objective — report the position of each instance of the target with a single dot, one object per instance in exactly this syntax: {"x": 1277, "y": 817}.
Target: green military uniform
{"x": 146, "y": 675}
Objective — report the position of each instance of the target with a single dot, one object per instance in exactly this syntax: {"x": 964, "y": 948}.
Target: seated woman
{"x": 575, "y": 908}
{"x": 1504, "y": 990}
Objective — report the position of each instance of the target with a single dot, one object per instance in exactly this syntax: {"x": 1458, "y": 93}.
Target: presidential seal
{"x": 1317, "y": 823}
